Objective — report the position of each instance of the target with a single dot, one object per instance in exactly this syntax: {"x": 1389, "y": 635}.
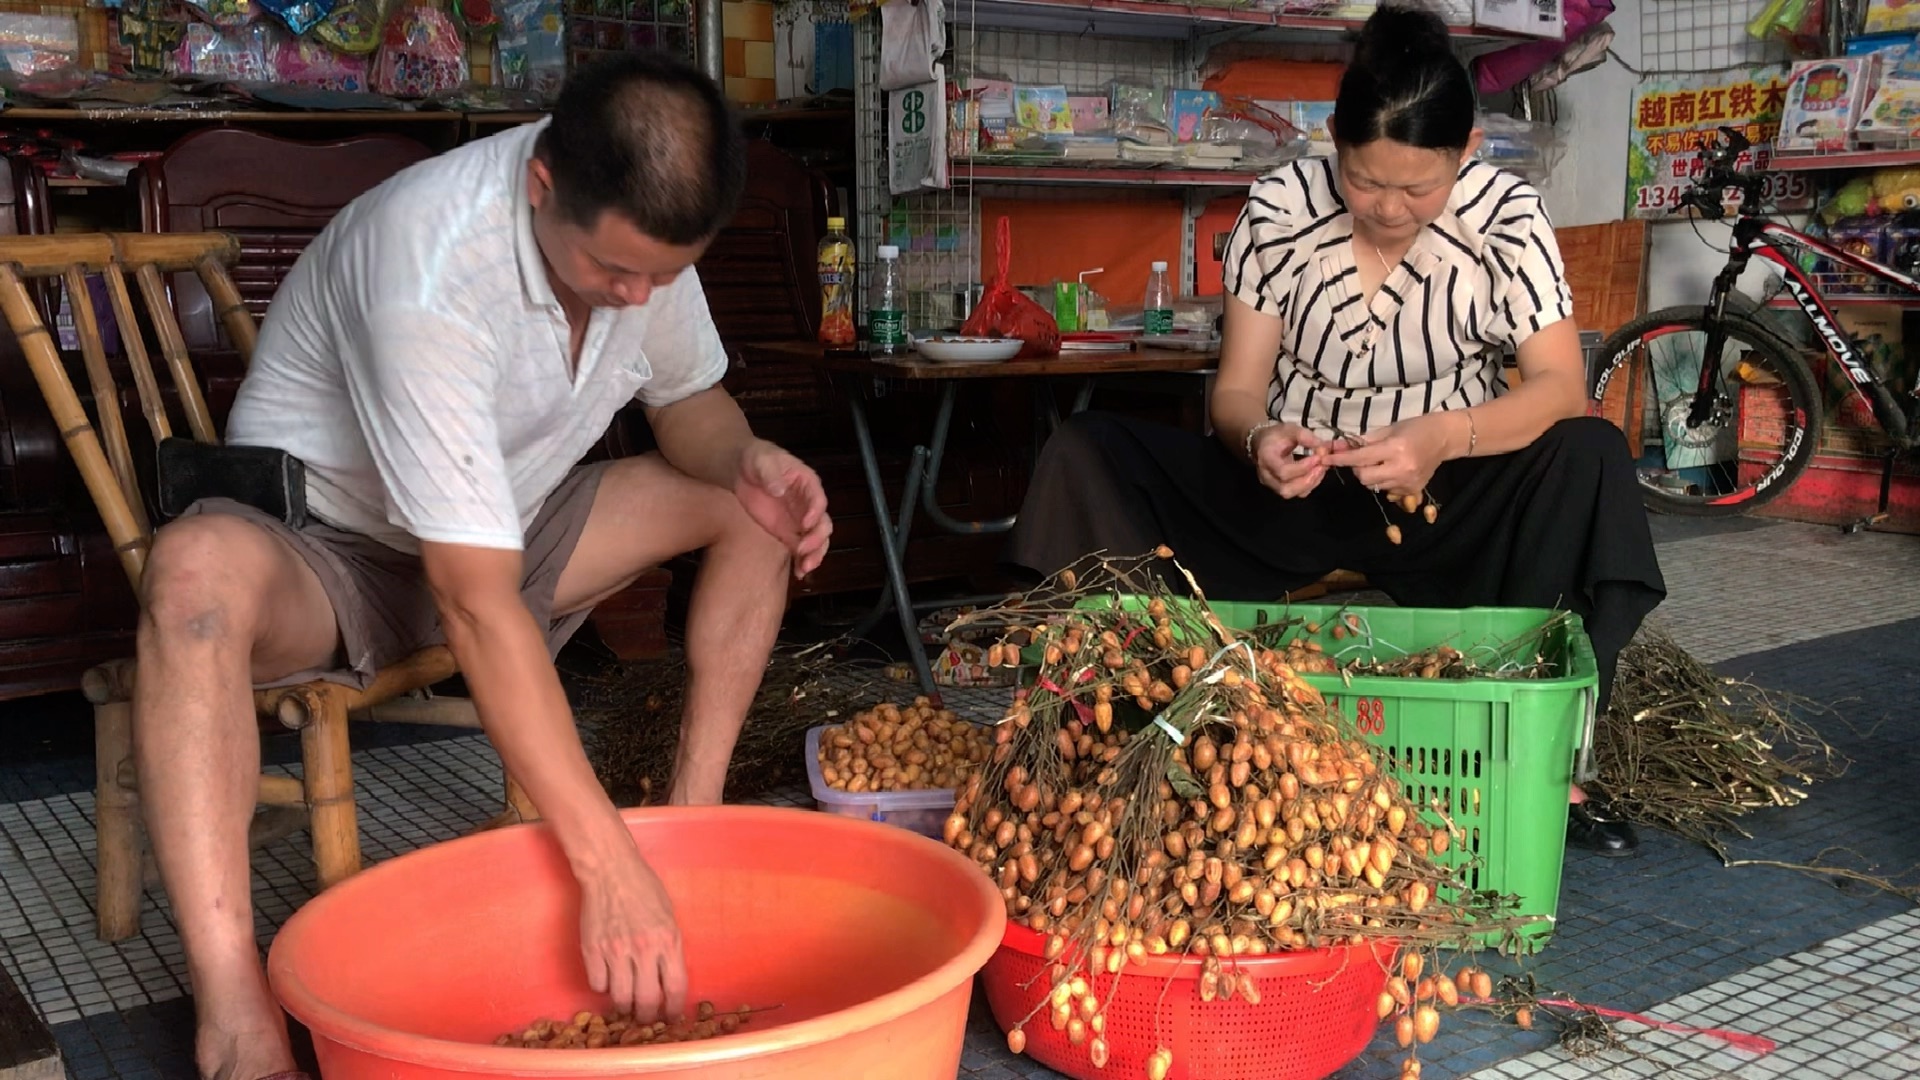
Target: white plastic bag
{"x": 913, "y": 37}
{"x": 917, "y": 136}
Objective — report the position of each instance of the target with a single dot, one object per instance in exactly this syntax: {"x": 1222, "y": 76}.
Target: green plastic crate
{"x": 1499, "y": 753}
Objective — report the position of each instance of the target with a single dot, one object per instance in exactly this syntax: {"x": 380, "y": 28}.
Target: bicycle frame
{"x": 1755, "y": 236}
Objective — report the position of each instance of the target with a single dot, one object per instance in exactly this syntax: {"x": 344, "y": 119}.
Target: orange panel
{"x": 1055, "y": 241}
{"x": 1210, "y": 234}
{"x": 1268, "y": 79}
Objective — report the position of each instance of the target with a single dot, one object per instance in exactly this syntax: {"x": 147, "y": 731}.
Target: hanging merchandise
{"x": 151, "y": 32}
{"x": 299, "y": 16}
{"x": 421, "y": 54}
{"x": 225, "y": 13}
{"x": 1497, "y": 72}
{"x": 304, "y": 62}
{"x": 241, "y": 54}
{"x": 1798, "y": 24}
{"x": 913, "y": 37}
{"x": 533, "y": 53}
{"x": 353, "y": 26}
{"x": 478, "y": 18}
{"x": 917, "y": 136}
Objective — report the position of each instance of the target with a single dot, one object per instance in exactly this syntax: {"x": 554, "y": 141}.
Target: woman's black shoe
{"x": 1599, "y": 828}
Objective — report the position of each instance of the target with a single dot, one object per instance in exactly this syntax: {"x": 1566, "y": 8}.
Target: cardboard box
{"x": 1825, "y": 99}
{"x": 1535, "y": 18}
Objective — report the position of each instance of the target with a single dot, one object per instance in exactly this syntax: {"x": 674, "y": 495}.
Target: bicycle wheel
{"x": 1765, "y": 424}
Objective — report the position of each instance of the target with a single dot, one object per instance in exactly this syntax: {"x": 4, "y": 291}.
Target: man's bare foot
{"x": 243, "y": 1056}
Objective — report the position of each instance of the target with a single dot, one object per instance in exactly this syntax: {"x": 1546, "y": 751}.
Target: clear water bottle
{"x": 1159, "y": 303}
{"x": 887, "y": 305}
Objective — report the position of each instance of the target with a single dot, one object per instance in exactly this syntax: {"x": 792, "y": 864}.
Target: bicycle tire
{"x": 1765, "y": 350}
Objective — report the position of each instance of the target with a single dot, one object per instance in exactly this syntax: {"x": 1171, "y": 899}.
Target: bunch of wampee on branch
{"x": 1166, "y": 785}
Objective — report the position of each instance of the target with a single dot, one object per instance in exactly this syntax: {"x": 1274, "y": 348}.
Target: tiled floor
{"x": 1829, "y": 973}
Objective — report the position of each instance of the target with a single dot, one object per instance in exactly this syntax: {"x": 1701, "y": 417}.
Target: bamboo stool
{"x": 319, "y": 711}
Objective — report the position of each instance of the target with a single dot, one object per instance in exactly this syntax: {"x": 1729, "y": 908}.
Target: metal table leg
{"x": 942, "y": 421}
{"x": 882, "y": 520}
{"x": 901, "y": 528}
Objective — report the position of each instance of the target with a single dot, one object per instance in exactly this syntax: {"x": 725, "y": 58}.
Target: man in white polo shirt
{"x": 439, "y": 360}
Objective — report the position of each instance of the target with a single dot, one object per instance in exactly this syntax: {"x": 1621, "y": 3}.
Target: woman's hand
{"x": 1398, "y": 459}
{"x": 1274, "y": 460}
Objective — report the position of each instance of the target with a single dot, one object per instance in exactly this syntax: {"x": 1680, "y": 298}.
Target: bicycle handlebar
{"x": 1721, "y": 158}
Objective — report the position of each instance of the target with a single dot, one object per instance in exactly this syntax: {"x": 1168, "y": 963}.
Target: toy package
{"x": 1824, "y": 102}
{"x": 33, "y": 44}
{"x": 1863, "y": 238}
{"x": 1311, "y": 117}
{"x": 1042, "y": 110}
{"x": 302, "y": 62}
{"x": 353, "y": 26}
{"x": 1888, "y": 16}
{"x": 1139, "y": 114}
{"x": 1893, "y": 112}
{"x": 421, "y": 54}
{"x": 1185, "y": 110}
{"x": 300, "y": 16}
{"x": 1089, "y": 112}
{"x": 225, "y": 14}
{"x": 533, "y": 53}
{"x": 240, "y": 54}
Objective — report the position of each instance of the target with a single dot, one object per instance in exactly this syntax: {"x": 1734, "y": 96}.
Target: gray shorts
{"x": 380, "y": 597}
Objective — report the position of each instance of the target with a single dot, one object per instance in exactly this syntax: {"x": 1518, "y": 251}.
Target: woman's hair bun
{"x": 1404, "y": 83}
{"x": 1399, "y": 34}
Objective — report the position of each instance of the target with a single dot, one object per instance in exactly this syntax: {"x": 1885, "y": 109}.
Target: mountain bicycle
{"x": 1739, "y": 409}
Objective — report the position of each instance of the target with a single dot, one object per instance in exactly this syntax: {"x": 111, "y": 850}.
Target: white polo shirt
{"x": 416, "y": 360}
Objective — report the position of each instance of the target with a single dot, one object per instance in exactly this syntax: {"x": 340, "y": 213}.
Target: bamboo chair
{"x": 318, "y": 710}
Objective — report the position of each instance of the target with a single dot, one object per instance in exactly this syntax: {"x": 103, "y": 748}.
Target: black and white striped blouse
{"x": 1479, "y": 280}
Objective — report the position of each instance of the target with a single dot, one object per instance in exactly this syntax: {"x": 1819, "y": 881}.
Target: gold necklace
{"x": 1382, "y": 256}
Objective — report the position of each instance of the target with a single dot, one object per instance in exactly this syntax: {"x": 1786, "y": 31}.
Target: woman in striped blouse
{"x": 1370, "y": 297}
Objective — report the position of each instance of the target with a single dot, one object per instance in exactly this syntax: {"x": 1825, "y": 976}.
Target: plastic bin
{"x": 1500, "y": 754}
{"x": 924, "y": 812}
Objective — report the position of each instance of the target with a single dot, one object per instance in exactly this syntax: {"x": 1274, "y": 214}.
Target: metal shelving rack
{"x": 1080, "y": 43}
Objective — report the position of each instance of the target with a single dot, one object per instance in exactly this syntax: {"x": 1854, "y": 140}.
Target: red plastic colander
{"x": 1316, "y": 1012}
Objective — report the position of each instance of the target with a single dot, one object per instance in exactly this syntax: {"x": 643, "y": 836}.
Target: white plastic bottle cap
{"x": 889, "y": 251}
{"x": 1158, "y": 267}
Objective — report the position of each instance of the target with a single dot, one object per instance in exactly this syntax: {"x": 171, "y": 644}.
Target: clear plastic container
{"x": 924, "y": 812}
{"x": 1157, "y": 318}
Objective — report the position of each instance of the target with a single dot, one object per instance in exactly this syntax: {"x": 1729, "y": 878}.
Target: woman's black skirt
{"x": 1559, "y": 524}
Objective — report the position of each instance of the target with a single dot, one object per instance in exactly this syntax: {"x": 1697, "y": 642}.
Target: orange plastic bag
{"x": 1005, "y": 311}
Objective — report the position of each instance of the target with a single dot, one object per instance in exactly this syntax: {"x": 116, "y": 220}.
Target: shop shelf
{"x": 1145, "y": 18}
{"x": 1102, "y": 175}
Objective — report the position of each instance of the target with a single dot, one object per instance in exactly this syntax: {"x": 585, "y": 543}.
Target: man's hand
{"x": 780, "y": 492}
{"x": 1399, "y": 459}
{"x": 630, "y": 942}
{"x": 1291, "y": 476}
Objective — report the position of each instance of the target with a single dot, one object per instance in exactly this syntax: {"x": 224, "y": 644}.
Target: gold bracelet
{"x": 1473, "y": 431}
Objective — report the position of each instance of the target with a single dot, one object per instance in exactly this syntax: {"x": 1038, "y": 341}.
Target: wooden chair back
{"x": 99, "y": 443}
{"x": 761, "y": 284}
{"x": 272, "y": 195}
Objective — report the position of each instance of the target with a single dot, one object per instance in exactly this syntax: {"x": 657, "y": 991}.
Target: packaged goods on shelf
{"x": 1889, "y": 16}
{"x": 1527, "y": 148}
{"x": 33, "y": 44}
{"x": 1892, "y": 113}
{"x": 1824, "y": 103}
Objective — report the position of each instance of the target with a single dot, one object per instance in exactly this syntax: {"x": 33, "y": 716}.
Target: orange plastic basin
{"x": 867, "y": 936}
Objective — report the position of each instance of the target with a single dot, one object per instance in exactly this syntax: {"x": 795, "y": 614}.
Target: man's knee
{"x": 202, "y": 578}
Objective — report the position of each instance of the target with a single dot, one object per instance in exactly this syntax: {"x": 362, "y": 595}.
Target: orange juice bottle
{"x": 836, "y": 285}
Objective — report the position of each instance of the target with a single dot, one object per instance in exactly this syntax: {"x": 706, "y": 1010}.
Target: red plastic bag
{"x": 1005, "y": 311}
